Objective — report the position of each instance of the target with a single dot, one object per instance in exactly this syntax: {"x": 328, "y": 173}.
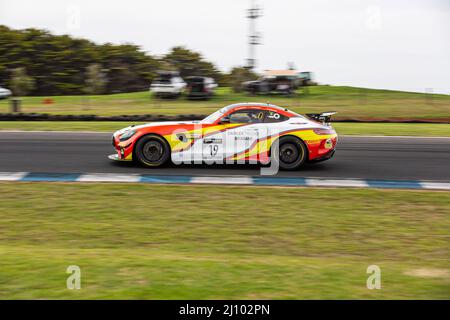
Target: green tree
{"x": 58, "y": 63}
{"x": 128, "y": 68}
{"x": 190, "y": 63}
{"x": 238, "y": 75}
{"x": 21, "y": 83}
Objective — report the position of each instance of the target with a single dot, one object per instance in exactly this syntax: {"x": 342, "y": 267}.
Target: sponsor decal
{"x": 242, "y": 138}
{"x": 212, "y": 140}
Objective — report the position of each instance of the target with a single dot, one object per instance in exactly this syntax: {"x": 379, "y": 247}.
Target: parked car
{"x": 200, "y": 87}
{"x": 273, "y": 81}
{"x": 4, "y": 93}
{"x": 168, "y": 84}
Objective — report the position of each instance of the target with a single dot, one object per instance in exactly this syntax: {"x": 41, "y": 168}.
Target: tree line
{"x": 37, "y": 62}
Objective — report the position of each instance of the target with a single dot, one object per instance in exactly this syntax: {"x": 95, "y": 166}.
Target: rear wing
{"x": 323, "y": 117}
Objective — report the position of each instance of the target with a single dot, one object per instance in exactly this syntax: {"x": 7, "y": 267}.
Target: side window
{"x": 247, "y": 116}
{"x": 272, "y": 116}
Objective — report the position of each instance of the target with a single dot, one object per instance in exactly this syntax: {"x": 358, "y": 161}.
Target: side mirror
{"x": 224, "y": 120}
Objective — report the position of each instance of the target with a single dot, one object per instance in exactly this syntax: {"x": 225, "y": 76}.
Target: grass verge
{"x": 217, "y": 242}
{"x": 349, "y": 102}
{"x": 382, "y": 129}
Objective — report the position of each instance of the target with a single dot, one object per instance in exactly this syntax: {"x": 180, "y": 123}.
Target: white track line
{"x": 222, "y": 180}
{"x": 336, "y": 183}
{"x": 237, "y": 180}
{"x": 108, "y": 177}
{"x": 435, "y": 185}
{"x": 12, "y": 176}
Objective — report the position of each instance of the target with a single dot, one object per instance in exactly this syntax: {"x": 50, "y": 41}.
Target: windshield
{"x": 165, "y": 80}
{"x": 214, "y": 116}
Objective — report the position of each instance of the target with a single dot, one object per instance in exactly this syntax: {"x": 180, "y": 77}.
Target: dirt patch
{"x": 429, "y": 273}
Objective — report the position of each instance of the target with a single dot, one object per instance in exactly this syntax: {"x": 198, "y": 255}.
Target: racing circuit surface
{"x": 391, "y": 158}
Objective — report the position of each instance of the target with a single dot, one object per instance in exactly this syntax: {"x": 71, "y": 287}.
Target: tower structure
{"x": 254, "y": 37}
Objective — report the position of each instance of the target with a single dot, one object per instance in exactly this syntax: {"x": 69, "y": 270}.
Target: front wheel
{"x": 292, "y": 153}
{"x": 152, "y": 151}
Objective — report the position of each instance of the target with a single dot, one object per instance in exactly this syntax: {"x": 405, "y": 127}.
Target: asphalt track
{"x": 390, "y": 158}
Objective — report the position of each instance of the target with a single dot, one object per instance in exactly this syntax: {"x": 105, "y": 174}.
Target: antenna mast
{"x": 254, "y": 37}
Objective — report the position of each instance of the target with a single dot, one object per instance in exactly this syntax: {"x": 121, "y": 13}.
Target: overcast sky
{"x": 392, "y": 44}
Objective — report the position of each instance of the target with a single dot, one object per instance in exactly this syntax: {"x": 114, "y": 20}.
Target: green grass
{"x": 392, "y": 129}
{"x": 350, "y": 102}
{"x": 217, "y": 242}
{"x": 383, "y": 129}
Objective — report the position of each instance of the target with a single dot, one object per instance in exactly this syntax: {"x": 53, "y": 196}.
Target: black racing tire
{"x": 152, "y": 151}
{"x": 292, "y": 153}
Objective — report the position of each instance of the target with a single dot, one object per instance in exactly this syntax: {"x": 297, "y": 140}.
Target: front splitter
{"x": 115, "y": 157}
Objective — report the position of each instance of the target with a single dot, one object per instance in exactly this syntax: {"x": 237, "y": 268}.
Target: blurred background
{"x": 98, "y": 66}
{"x": 294, "y": 53}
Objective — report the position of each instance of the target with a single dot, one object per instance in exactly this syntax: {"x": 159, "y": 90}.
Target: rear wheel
{"x": 292, "y": 153}
{"x": 152, "y": 151}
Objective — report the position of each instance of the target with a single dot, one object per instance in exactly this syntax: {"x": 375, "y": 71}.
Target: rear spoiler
{"x": 322, "y": 117}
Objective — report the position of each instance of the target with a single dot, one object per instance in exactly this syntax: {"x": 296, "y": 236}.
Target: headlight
{"x": 127, "y": 135}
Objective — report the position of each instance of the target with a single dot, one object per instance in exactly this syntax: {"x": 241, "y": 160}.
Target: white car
{"x": 4, "y": 93}
{"x": 168, "y": 84}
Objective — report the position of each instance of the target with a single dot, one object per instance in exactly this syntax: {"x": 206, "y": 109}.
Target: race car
{"x": 238, "y": 133}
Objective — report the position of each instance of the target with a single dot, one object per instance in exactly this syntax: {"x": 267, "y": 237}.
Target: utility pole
{"x": 254, "y": 38}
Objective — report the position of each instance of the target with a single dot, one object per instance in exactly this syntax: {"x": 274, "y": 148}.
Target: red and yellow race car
{"x": 238, "y": 133}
